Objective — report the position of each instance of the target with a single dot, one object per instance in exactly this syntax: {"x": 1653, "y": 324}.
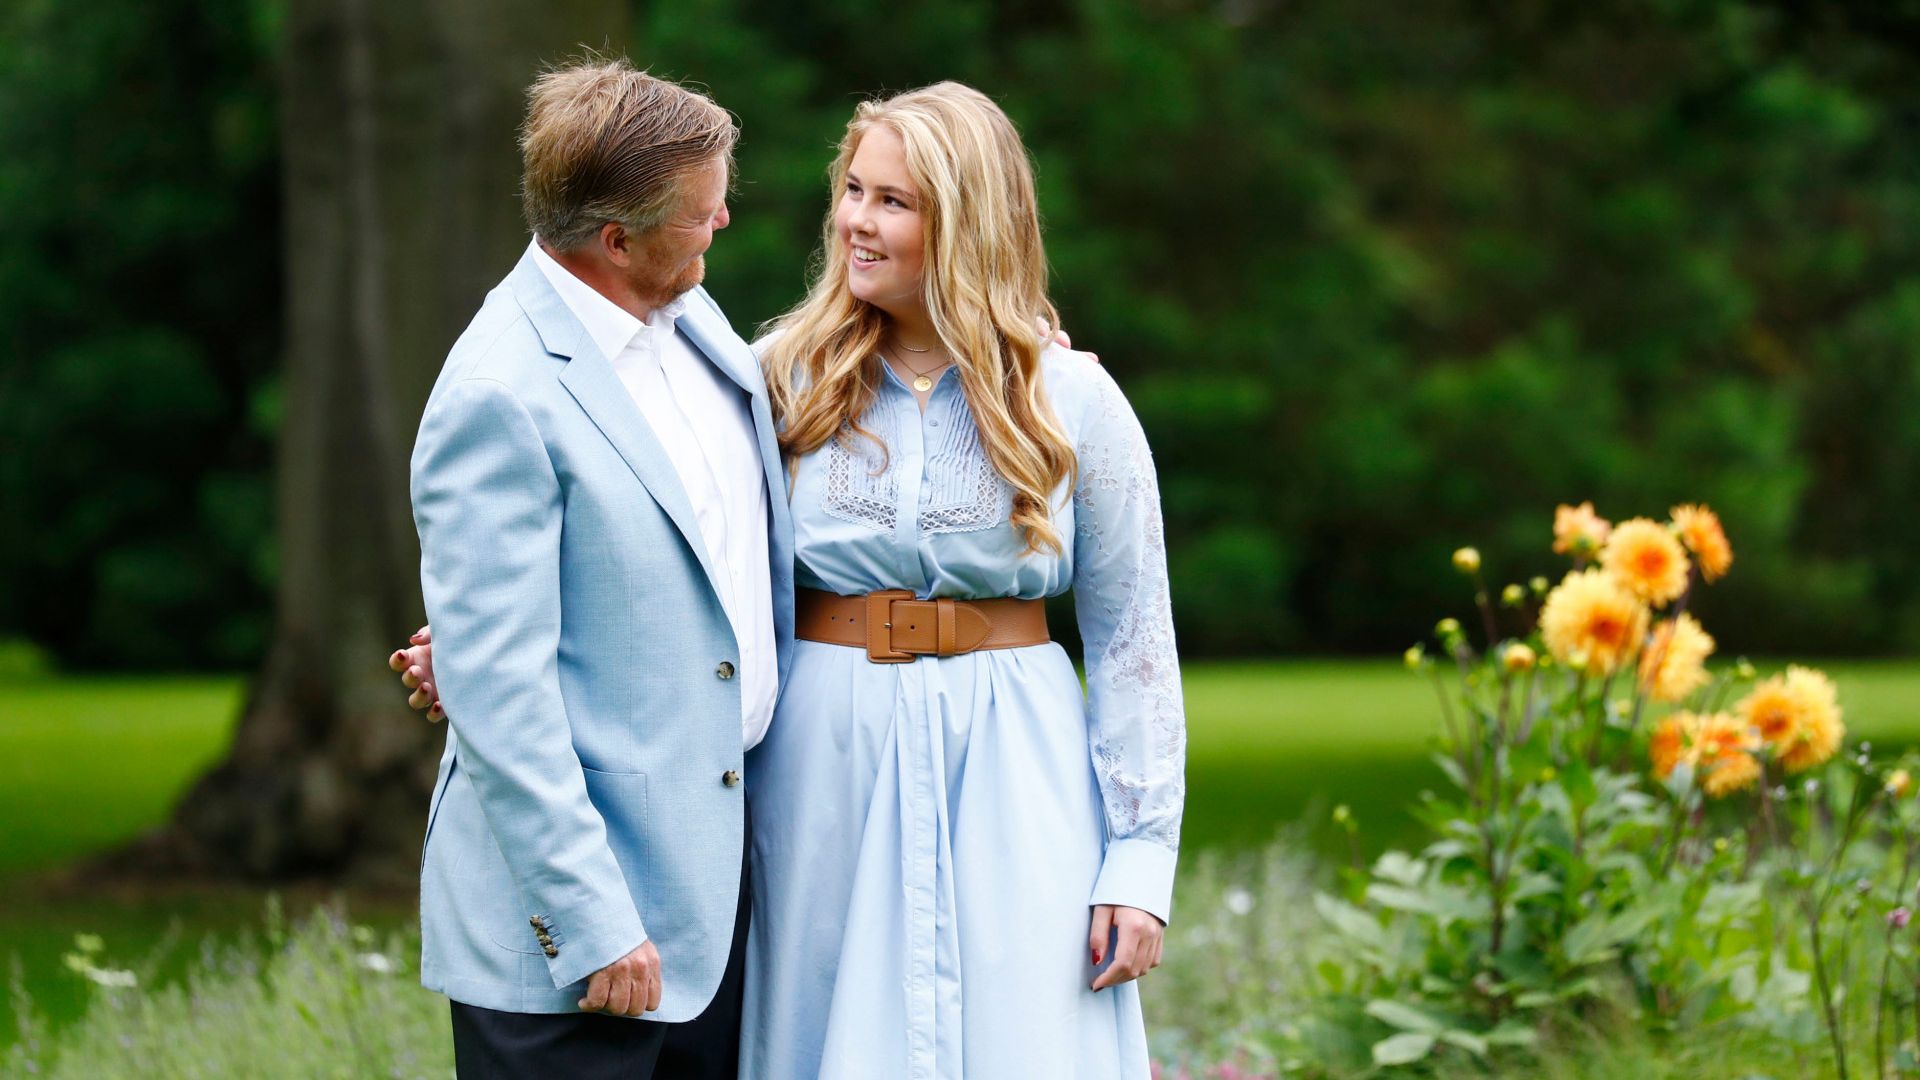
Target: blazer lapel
{"x": 592, "y": 382}
{"x": 590, "y": 378}
{"x": 712, "y": 335}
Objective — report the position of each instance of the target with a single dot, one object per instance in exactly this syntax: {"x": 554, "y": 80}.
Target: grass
{"x": 1271, "y": 743}
{"x": 87, "y": 763}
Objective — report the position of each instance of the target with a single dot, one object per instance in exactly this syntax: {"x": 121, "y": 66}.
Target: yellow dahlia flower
{"x": 1700, "y": 530}
{"x": 1648, "y": 560}
{"x": 1673, "y": 743}
{"x": 1591, "y": 616}
{"x": 1674, "y": 662}
{"x": 1725, "y": 745}
{"x": 1797, "y": 715}
{"x": 1577, "y": 530}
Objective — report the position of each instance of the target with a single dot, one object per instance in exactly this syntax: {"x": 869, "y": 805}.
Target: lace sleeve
{"x": 1136, "y": 721}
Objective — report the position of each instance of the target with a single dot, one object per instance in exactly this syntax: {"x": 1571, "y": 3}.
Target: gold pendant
{"x": 923, "y": 384}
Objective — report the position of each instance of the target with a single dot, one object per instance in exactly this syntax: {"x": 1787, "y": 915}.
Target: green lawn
{"x": 86, "y": 763}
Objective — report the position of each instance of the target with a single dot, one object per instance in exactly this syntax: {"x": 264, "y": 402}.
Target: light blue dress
{"x": 928, "y": 837}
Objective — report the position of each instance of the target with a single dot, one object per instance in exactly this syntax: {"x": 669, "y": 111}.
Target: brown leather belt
{"x": 895, "y": 628}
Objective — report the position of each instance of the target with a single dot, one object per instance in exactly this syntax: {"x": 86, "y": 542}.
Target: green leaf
{"x": 1512, "y": 1033}
{"x": 1578, "y": 783}
{"x": 1399, "y": 868}
{"x": 1403, "y": 1016}
{"x": 1465, "y": 1040}
{"x": 1453, "y": 770}
{"x": 1349, "y": 920}
{"x": 1402, "y": 1049}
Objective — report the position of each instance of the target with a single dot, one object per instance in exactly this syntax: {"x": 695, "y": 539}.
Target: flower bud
{"x": 1513, "y": 596}
{"x": 1719, "y": 845}
{"x": 1899, "y": 917}
{"x": 1863, "y": 887}
{"x": 1447, "y": 628}
{"x": 1744, "y": 670}
{"x": 1539, "y": 585}
{"x": 1517, "y": 657}
{"x": 1342, "y": 815}
{"x": 1415, "y": 657}
{"x": 1899, "y": 783}
{"x": 1467, "y": 560}
{"x": 1548, "y": 773}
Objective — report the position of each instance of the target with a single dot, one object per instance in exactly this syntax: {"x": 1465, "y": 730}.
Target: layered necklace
{"x": 923, "y": 380}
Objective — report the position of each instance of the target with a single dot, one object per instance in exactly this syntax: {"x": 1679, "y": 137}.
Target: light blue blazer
{"x": 589, "y": 797}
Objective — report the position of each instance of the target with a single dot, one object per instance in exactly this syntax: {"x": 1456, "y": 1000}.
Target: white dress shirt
{"x": 702, "y": 419}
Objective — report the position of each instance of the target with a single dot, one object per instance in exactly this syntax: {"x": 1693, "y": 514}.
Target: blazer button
{"x": 725, "y": 670}
{"x": 551, "y": 951}
{"x": 730, "y": 778}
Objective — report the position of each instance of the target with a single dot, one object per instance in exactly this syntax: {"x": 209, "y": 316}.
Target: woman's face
{"x": 879, "y": 221}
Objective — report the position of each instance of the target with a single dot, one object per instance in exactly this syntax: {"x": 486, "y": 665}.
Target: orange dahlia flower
{"x": 1590, "y": 619}
{"x": 1647, "y": 560}
{"x": 1674, "y": 662}
{"x": 1673, "y": 743}
{"x": 1726, "y": 746}
{"x": 1798, "y": 715}
{"x": 1577, "y": 530}
{"x": 1700, "y": 530}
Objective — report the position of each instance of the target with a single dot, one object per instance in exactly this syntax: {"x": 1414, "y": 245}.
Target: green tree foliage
{"x": 138, "y": 324}
{"x": 1371, "y": 272}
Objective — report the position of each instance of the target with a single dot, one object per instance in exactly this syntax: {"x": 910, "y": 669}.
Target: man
{"x": 607, "y": 565}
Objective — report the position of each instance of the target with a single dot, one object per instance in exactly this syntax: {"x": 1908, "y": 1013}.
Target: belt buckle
{"x": 879, "y": 614}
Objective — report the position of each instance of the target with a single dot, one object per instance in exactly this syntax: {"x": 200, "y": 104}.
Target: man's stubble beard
{"x": 691, "y": 277}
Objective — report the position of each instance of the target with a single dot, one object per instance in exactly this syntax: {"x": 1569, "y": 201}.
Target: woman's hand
{"x": 415, "y": 665}
{"x": 1136, "y": 938}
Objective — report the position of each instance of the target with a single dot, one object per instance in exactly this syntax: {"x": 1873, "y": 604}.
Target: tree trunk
{"x": 401, "y": 173}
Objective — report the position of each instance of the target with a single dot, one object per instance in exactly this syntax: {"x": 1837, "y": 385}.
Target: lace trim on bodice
{"x": 961, "y": 492}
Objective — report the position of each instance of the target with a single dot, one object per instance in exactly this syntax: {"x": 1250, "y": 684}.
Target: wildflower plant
{"x": 1627, "y": 831}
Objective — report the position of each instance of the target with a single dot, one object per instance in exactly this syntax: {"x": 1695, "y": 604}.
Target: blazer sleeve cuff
{"x": 582, "y": 946}
{"x": 1137, "y": 874}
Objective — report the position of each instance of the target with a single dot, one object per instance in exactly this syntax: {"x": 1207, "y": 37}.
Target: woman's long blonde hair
{"x": 985, "y": 281}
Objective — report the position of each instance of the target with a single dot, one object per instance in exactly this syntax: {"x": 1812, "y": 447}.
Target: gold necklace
{"x": 921, "y": 381}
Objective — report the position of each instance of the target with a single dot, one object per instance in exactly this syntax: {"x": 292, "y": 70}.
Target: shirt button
{"x": 725, "y": 670}
{"x": 730, "y": 778}
{"x": 933, "y": 423}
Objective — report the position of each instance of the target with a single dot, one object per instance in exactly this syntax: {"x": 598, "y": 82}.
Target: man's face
{"x": 669, "y": 259}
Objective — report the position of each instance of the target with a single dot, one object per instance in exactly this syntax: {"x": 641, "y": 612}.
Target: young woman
{"x": 961, "y": 864}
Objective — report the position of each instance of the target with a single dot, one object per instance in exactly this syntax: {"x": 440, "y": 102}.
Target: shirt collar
{"x": 611, "y": 326}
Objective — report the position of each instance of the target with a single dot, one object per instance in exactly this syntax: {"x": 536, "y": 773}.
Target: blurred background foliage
{"x": 1380, "y": 278}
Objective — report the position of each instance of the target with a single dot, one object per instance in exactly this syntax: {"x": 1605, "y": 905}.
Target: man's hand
{"x": 1136, "y": 948}
{"x": 415, "y": 665}
{"x": 627, "y": 987}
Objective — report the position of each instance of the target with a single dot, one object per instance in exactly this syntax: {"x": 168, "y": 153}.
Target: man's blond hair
{"x": 606, "y": 143}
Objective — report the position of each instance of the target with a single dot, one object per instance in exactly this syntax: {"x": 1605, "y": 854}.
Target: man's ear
{"x": 616, "y": 243}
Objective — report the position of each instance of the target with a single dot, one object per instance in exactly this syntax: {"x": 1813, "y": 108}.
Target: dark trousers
{"x": 491, "y": 1045}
